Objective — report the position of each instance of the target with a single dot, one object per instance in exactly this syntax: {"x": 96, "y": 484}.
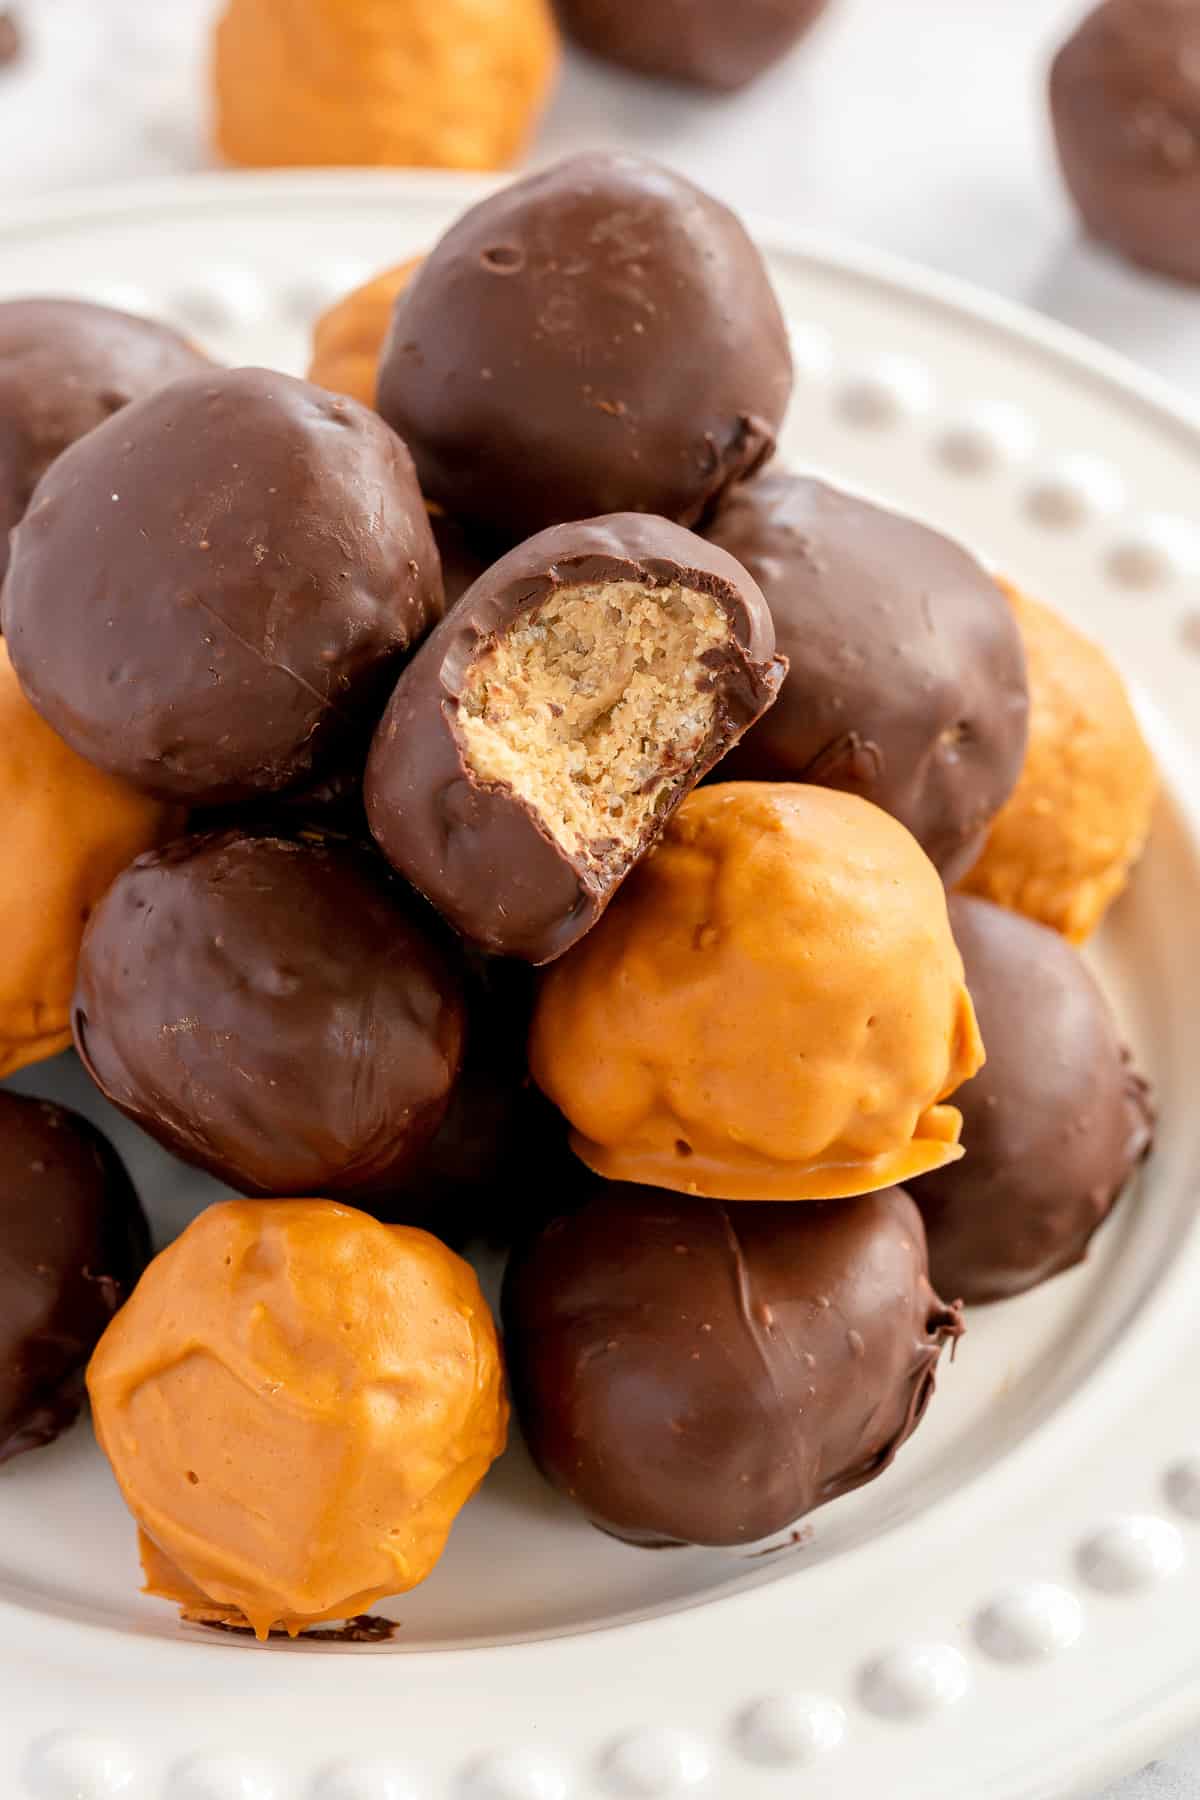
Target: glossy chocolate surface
{"x": 1125, "y": 104}
{"x": 1054, "y": 1123}
{"x": 65, "y": 367}
{"x": 907, "y": 674}
{"x": 270, "y": 1009}
{"x": 711, "y": 43}
{"x": 598, "y": 337}
{"x": 694, "y": 1372}
{"x": 211, "y": 594}
{"x": 73, "y": 1240}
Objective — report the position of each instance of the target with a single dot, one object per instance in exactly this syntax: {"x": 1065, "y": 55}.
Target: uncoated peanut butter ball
{"x": 773, "y": 1007}
{"x": 599, "y": 337}
{"x": 69, "y": 829}
{"x": 457, "y": 84}
{"x": 1063, "y": 846}
{"x": 349, "y": 335}
{"x": 297, "y": 1402}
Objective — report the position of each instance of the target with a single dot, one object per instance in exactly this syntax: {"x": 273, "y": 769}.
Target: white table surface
{"x": 915, "y": 125}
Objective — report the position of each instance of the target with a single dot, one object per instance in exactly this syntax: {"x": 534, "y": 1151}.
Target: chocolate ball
{"x": 73, "y": 1240}
{"x": 1125, "y": 103}
{"x": 486, "y": 1171}
{"x": 694, "y": 1373}
{"x": 464, "y": 555}
{"x": 710, "y": 43}
{"x": 269, "y": 1010}
{"x": 211, "y": 594}
{"x": 599, "y": 337}
{"x": 11, "y": 42}
{"x": 907, "y": 676}
{"x": 1054, "y": 1124}
{"x": 65, "y": 367}
{"x": 539, "y": 741}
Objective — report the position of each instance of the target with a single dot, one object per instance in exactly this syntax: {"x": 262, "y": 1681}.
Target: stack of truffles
{"x": 501, "y": 804}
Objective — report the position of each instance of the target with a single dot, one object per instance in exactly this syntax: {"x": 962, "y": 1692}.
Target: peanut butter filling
{"x": 594, "y": 708}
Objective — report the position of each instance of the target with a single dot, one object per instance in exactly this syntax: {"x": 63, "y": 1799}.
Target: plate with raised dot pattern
{"x": 1009, "y": 1613}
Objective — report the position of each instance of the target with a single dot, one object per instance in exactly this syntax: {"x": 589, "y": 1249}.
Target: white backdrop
{"x": 915, "y": 125}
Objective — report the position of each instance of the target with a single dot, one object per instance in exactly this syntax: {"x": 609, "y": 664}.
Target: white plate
{"x": 1010, "y": 1610}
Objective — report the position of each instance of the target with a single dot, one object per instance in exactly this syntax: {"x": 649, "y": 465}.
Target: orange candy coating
{"x": 459, "y": 84}
{"x": 348, "y": 337}
{"x": 70, "y": 829}
{"x": 1062, "y": 847}
{"x": 773, "y": 1007}
{"x": 297, "y": 1401}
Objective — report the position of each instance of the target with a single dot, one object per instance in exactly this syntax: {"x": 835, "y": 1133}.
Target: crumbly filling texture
{"x": 594, "y": 708}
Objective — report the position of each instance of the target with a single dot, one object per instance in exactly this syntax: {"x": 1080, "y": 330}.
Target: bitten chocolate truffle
{"x": 268, "y": 1009}
{"x": 539, "y": 741}
{"x": 211, "y": 594}
{"x": 1125, "y": 102}
{"x": 710, "y": 43}
{"x": 907, "y": 679}
{"x": 65, "y": 367}
{"x": 73, "y": 1240}
{"x": 693, "y": 1373}
{"x": 599, "y": 337}
{"x": 1054, "y": 1124}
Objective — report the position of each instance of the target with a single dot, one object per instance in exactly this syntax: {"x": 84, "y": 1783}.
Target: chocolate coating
{"x": 65, "y": 367}
{"x": 500, "y": 1150}
{"x": 1125, "y": 103}
{"x": 477, "y": 850}
{"x": 696, "y": 1373}
{"x": 907, "y": 672}
{"x": 463, "y": 558}
{"x": 10, "y": 50}
{"x": 73, "y": 1240}
{"x": 1054, "y": 1123}
{"x": 599, "y": 337}
{"x": 710, "y": 43}
{"x": 230, "y": 623}
{"x": 268, "y": 1009}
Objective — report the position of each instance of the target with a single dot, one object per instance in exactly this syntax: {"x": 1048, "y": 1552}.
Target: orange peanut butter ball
{"x": 773, "y": 1008}
{"x": 348, "y": 337}
{"x": 459, "y": 84}
{"x": 1062, "y": 847}
{"x": 297, "y": 1401}
{"x": 70, "y": 829}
